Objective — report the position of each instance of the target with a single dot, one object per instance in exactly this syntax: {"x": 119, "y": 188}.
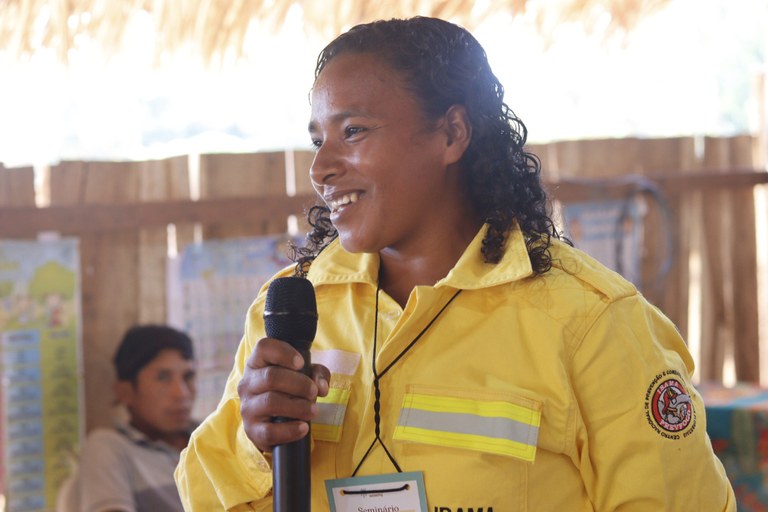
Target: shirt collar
{"x": 138, "y": 437}
{"x": 335, "y": 265}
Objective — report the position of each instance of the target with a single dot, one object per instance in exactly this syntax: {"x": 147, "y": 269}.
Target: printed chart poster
{"x": 609, "y": 231}
{"x": 210, "y": 287}
{"x": 40, "y": 370}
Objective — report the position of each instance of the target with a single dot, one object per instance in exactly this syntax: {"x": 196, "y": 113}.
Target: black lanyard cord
{"x": 377, "y": 377}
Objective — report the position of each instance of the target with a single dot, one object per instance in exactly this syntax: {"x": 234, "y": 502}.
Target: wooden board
{"x": 17, "y": 186}
{"x": 717, "y": 330}
{"x": 252, "y": 175}
{"x": 160, "y": 180}
{"x": 743, "y": 260}
{"x": 109, "y": 274}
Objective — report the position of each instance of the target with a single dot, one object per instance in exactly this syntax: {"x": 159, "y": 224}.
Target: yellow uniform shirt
{"x": 560, "y": 392}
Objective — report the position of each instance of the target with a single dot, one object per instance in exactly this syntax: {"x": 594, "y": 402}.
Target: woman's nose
{"x": 324, "y": 166}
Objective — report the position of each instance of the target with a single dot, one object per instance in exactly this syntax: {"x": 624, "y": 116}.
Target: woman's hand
{"x": 273, "y": 386}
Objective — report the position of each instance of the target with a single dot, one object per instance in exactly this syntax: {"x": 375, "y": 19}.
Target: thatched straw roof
{"x": 218, "y": 26}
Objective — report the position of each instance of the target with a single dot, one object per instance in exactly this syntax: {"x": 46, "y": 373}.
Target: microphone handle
{"x": 291, "y": 482}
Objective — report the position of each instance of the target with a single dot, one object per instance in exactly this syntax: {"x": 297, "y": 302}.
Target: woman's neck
{"x": 401, "y": 272}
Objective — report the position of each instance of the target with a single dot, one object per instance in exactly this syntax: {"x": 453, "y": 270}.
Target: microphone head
{"x": 290, "y": 311}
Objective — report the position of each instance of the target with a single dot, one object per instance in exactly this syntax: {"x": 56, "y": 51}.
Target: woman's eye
{"x": 316, "y": 143}
{"x": 351, "y": 131}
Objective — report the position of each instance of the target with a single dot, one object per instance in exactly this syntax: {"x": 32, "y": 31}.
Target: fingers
{"x": 269, "y": 351}
{"x": 274, "y": 366}
{"x": 322, "y": 376}
{"x": 273, "y": 387}
{"x": 266, "y": 435}
{"x": 274, "y": 380}
{"x": 258, "y": 415}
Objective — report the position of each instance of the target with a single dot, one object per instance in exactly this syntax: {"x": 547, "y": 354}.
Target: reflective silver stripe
{"x": 330, "y": 414}
{"x": 457, "y": 423}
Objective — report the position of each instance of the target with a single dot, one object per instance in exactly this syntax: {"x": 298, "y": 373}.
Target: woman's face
{"x": 380, "y": 166}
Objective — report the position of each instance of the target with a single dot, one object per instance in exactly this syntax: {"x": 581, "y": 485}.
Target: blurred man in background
{"x": 130, "y": 467}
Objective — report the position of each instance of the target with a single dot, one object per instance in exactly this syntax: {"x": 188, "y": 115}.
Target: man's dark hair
{"x": 142, "y": 343}
{"x": 444, "y": 65}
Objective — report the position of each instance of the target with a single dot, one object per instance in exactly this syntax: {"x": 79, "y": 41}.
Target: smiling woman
{"x": 465, "y": 352}
{"x": 357, "y": 117}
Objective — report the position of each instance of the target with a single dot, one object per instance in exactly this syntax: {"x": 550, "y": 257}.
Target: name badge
{"x": 396, "y": 492}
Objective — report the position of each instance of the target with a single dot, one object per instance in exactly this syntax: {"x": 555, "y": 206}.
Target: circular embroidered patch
{"x": 671, "y": 406}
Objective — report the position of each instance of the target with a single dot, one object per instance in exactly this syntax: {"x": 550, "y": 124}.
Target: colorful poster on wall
{"x": 211, "y": 285}
{"x": 40, "y": 369}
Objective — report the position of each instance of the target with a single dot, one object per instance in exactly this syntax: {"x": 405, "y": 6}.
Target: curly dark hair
{"x": 444, "y": 65}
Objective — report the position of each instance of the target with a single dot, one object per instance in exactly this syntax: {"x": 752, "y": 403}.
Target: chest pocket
{"x": 327, "y": 426}
{"x": 498, "y": 424}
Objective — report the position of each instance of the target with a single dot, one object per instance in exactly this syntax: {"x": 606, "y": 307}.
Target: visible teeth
{"x": 344, "y": 200}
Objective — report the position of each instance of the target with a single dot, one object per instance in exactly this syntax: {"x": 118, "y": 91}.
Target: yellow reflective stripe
{"x": 467, "y": 441}
{"x": 335, "y": 396}
{"x": 323, "y": 432}
{"x": 333, "y": 407}
{"x": 491, "y": 426}
{"x": 489, "y": 409}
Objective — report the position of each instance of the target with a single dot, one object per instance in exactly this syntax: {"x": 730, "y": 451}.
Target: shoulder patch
{"x": 668, "y": 406}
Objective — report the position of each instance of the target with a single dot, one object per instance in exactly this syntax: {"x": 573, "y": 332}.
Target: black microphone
{"x": 290, "y": 315}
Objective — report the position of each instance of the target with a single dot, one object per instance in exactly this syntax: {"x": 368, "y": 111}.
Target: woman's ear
{"x": 458, "y": 131}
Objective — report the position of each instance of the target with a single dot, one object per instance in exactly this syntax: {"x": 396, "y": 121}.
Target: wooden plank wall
{"x": 123, "y": 269}
{"x": 254, "y": 175}
{"x": 729, "y": 266}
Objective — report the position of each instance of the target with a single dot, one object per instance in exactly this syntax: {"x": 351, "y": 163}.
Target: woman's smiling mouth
{"x": 336, "y": 203}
